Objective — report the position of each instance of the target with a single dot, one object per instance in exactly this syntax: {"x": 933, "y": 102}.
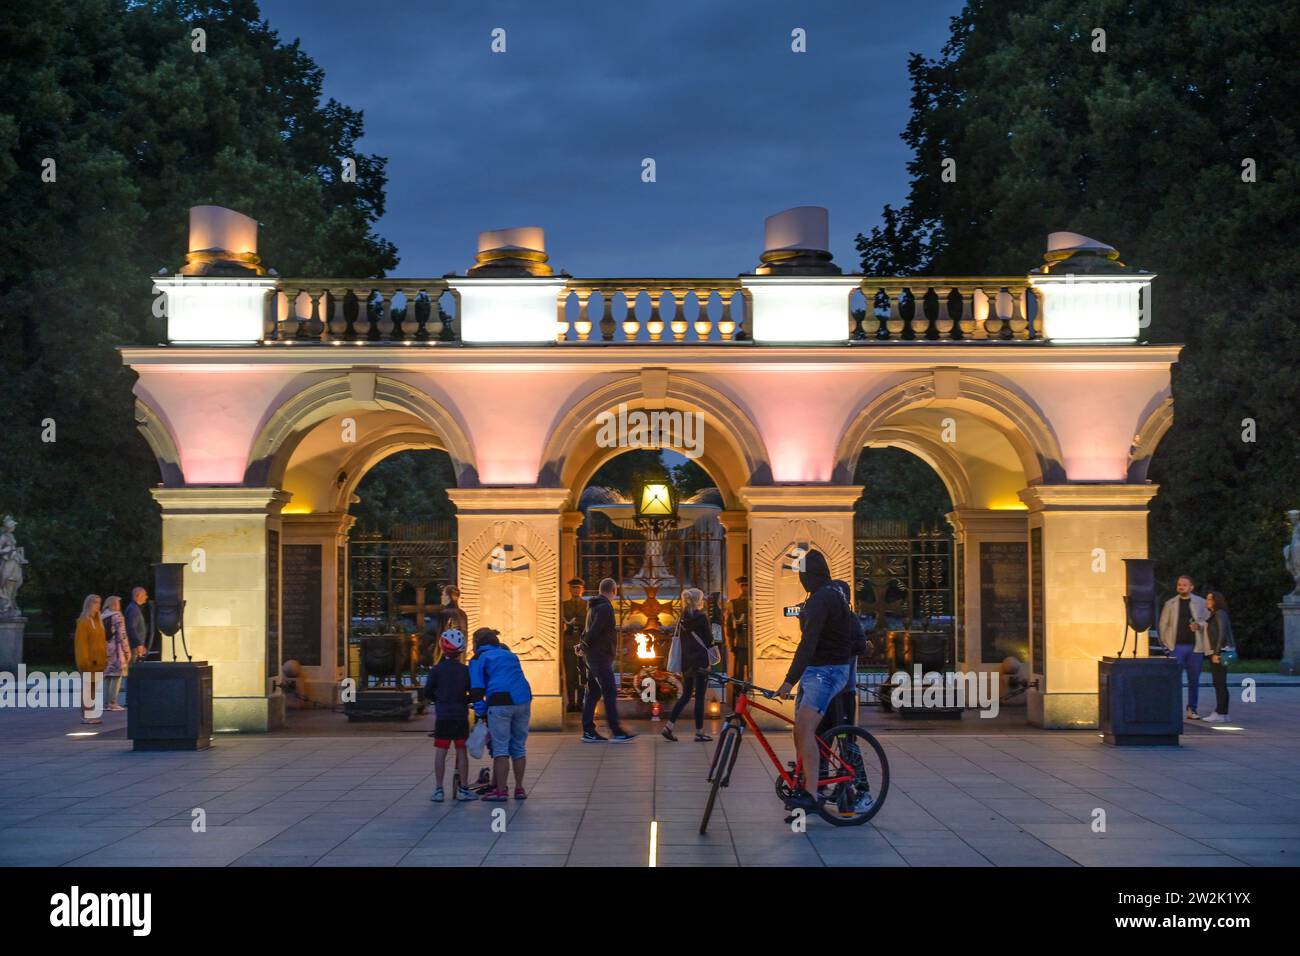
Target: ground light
{"x": 654, "y": 843}
{"x": 83, "y": 733}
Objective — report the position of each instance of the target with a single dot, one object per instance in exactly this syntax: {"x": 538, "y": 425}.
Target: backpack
{"x": 857, "y": 634}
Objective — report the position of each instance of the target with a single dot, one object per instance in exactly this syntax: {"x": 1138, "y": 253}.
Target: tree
{"x": 1179, "y": 147}
{"x": 112, "y": 125}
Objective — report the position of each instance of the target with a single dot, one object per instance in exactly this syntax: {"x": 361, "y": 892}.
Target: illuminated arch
{"x": 158, "y": 436}
{"x": 571, "y": 457}
{"x": 940, "y": 458}
{"x": 1022, "y": 424}
{"x": 1149, "y": 434}
{"x": 291, "y": 422}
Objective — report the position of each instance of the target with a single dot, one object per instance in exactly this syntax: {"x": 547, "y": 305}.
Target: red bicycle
{"x": 852, "y": 781}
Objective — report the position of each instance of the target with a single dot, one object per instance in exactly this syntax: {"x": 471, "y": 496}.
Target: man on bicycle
{"x": 822, "y": 666}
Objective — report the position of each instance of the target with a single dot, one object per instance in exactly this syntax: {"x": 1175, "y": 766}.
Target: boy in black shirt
{"x": 448, "y": 688}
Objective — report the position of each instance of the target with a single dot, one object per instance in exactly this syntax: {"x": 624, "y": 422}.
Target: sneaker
{"x": 463, "y": 794}
{"x": 519, "y": 794}
{"x": 702, "y": 738}
{"x": 115, "y": 707}
{"x": 496, "y": 796}
{"x": 621, "y": 737}
{"x": 865, "y": 800}
{"x": 800, "y": 800}
{"x": 667, "y": 734}
{"x": 1216, "y": 718}
{"x": 1192, "y": 715}
{"x": 591, "y": 737}
{"x": 438, "y": 796}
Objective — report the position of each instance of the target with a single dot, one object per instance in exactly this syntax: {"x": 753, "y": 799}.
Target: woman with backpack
{"x": 118, "y": 647}
{"x": 1218, "y": 630}
{"x": 695, "y": 637}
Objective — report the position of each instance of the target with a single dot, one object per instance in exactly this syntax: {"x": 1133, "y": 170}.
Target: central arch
{"x": 572, "y": 456}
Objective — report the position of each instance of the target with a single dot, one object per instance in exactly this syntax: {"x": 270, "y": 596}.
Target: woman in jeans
{"x": 1218, "y": 629}
{"x": 695, "y": 637}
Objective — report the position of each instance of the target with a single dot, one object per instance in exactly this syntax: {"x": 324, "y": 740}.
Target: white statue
{"x": 12, "y": 560}
{"x": 1292, "y": 553}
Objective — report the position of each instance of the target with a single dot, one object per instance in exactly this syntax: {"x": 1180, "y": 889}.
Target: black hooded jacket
{"x": 826, "y": 636}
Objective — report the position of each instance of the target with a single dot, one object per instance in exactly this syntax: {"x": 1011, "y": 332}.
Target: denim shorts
{"x": 508, "y": 725}
{"x": 819, "y": 685}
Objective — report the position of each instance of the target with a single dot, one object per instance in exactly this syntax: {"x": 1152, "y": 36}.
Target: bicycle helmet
{"x": 452, "y": 641}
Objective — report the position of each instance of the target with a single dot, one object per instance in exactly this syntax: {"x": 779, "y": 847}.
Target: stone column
{"x": 785, "y": 521}
{"x": 323, "y": 665}
{"x": 735, "y": 525}
{"x": 996, "y": 535}
{"x": 510, "y": 579}
{"x": 229, "y": 540}
{"x": 1086, "y": 532}
{"x": 570, "y": 521}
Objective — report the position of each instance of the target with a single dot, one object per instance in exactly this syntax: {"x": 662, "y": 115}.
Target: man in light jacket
{"x": 1182, "y": 632}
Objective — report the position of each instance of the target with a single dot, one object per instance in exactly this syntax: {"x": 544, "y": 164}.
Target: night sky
{"x": 553, "y": 131}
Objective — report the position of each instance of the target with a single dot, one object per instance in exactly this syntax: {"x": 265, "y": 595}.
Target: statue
{"x": 12, "y": 559}
{"x": 1292, "y": 554}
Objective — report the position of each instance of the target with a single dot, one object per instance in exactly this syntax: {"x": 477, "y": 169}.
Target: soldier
{"x": 737, "y": 628}
{"x": 574, "y": 614}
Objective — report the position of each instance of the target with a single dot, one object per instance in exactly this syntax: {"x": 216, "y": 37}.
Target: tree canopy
{"x": 1179, "y": 148}
{"x": 112, "y": 124}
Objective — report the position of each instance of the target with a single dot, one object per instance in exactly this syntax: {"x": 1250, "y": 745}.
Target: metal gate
{"x": 903, "y": 582}
{"x": 396, "y": 579}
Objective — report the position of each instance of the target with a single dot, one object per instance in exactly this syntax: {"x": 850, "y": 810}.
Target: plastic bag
{"x": 477, "y": 740}
{"x": 674, "y": 664}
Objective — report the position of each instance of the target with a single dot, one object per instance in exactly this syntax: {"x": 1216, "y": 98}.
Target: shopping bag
{"x": 477, "y": 740}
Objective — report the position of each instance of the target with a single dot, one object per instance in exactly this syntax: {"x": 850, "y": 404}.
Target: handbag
{"x": 674, "y": 663}
{"x": 1228, "y": 655}
{"x": 715, "y": 654}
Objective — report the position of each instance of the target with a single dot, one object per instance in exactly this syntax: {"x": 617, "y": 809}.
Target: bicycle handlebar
{"x": 728, "y": 679}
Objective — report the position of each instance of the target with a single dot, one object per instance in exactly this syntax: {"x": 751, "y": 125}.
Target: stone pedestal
{"x": 785, "y": 522}
{"x": 11, "y": 642}
{"x": 510, "y": 579}
{"x": 1079, "y": 537}
{"x": 228, "y": 538}
{"x": 1290, "y": 635}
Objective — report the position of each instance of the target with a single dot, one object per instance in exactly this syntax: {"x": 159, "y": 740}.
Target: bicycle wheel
{"x": 854, "y": 802}
{"x": 720, "y": 772}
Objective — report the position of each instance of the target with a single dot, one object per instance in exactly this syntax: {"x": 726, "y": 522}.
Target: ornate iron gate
{"x": 903, "y": 582}
{"x": 395, "y": 580}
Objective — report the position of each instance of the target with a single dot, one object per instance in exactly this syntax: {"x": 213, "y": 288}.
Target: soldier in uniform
{"x": 737, "y": 630}
{"x": 574, "y": 614}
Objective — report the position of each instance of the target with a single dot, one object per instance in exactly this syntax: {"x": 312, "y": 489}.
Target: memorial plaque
{"x": 1036, "y": 630}
{"x": 272, "y": 603}
{"x": 1004, "y": 600}
{"x": 300, "y": 602}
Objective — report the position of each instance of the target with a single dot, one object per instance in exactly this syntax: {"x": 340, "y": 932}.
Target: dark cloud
{"x": 553, "y": 131}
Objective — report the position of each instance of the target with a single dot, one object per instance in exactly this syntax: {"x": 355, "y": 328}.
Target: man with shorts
{"x": 822, "y": 666}
{"x": 502, "y": 696}
{"x": 447, "y": 687}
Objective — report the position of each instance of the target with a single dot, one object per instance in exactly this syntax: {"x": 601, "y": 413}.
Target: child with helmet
{"x": 447, "y": 687}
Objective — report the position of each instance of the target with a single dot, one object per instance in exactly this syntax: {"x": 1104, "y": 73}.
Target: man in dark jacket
{"x": 599, "y": 645}
{"x": 822, "y": 665}
{"x": 137, "y": 631}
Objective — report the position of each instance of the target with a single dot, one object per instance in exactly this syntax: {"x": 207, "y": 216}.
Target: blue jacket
{"x": 137, "y": 631}
{"x": 496, "y": 677}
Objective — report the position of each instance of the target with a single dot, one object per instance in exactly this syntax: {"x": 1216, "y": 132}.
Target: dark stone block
{"x": 1139, "y": 701}
{"x": 170, "y": 705}
{"x": 381, "y": 704}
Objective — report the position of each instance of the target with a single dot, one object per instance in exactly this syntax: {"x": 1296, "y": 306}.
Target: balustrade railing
{"x": 337, "y": 311}
{"x": 925, "y": 309}
{"x": 647, "y": 311}
{"x": 652, "y": 310}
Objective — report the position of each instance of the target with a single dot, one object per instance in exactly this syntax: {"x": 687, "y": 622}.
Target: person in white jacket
{"x": 1182, "y": 632}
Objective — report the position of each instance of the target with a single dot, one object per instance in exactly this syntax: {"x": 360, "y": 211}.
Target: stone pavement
{"x": 1008, "y": 797}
